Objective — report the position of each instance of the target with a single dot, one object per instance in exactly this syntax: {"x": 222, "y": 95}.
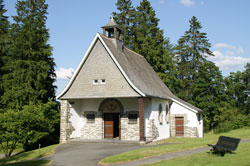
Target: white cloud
{"x": 161, "y": 1}
{"x": 237, "y": 50}
{"x": 63, "y": 73}
{"x": 187, "y": 2}
{"x": 228, "y": 57}
{"x": 224, "y": 45}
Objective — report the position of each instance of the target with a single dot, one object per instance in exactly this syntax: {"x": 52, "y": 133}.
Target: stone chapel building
{"x": 115, "y": 93}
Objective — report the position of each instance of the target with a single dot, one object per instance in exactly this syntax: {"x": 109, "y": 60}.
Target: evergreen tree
{"x": 207, "y": 92}
{"x": 192, "y": 50}
{"x": 142, "y": 35}
{"x": 238, "y": 89}
{"x": 124, "y": 19}
{"x": 4, "y": 43}
{"x": 30, "y": 67}
{"x": 148, "y": 39}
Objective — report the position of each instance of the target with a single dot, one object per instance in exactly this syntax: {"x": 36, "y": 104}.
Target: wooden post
{"x": 141, "y": 118}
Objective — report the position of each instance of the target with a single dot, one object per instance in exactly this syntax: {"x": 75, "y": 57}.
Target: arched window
{"x": 160, "y": 117}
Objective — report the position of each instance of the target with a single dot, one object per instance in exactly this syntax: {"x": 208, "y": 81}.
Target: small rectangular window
{"x": 95, "y": 82}
{"x": 132, "y": 118}
{"x": 103, "y": 81}
{"x": 91, "y": 118}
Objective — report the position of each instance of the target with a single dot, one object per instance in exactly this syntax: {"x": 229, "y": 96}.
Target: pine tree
{"x": 4, "y": 44}
{"x": 192, "y": 50}
{"x": 124, "y": 19}
{"x": 30, "y": 67}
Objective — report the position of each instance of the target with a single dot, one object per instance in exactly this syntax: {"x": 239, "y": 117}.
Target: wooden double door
{"x": 112, "y": 125}
{"x": 179, "y": 126}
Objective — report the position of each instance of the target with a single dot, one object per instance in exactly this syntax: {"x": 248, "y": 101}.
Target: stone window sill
{"x": 90, "y": 121}
{"x": 132, "y": 122}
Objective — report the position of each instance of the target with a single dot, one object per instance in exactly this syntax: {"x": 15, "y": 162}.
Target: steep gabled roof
{"x": 136, "y": 70}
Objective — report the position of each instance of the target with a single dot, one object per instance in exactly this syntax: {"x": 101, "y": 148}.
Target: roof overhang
{"x": 184, "y": 105}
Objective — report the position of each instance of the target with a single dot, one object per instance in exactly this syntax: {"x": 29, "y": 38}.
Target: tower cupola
{"x": 112, "y": 29}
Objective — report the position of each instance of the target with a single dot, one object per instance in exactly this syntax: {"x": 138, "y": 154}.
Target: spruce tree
{"x": 142, "y": 34}
{"x": 30, "y": 66}
{"x": 192, "y": 50}
{"x": 207, "y": 92}
{"x": 124, "y": 19}
{"x": 148, "y": 39}
{"x": 4, "y": 44}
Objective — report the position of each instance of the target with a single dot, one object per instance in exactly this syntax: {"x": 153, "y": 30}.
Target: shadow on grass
{"x": 29, "y": 163}
{"x": 15, "y": 158}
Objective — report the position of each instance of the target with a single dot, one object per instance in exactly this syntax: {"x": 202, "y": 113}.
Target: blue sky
{"x": 74, "y": 24}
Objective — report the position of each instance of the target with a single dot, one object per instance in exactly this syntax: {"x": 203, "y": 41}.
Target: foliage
{"x": 125, "y": 19}
{"x": 143, "y": 35}
{"x": 4, "y": 43}
{"x": 207, "y": 92}
{"x": 26, "y": 126}
{"x": 20, "y": 126}
{"x": 192, "y": 50}
{"x": 29, "y": 70}
{"x": 51, "y": 113}
{"x": 34, "y": 154}
{"x": 230, "y": 118}
{"x": 238, "y": 89}
{"x": 174, "y": 145}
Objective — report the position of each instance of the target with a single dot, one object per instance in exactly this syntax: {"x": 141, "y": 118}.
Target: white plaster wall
{"x": 163, "y": 128}
{"x": 75, "y": 118}
{"x": 192, "y": 117}
{"x": 200, "y": 127}
{"x": 179, "y": 109}
{"x": 147, "y": 113}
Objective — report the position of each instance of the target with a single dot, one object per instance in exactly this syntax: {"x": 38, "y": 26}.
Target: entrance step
{"x": 113, "y": 141}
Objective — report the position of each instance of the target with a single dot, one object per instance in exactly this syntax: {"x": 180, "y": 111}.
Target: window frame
{"x": 132, "y": 120}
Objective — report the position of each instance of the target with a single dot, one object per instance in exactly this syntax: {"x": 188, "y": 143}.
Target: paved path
{"x": 168, "y": 156}
{"x": 87, "y": 154}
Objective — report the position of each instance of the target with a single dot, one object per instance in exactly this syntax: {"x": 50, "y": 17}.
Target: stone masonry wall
{"x": 188, "y": 131}
{"x": 66, "y": 127}
{"x": 152, "y": 131}
{"x": 129, "y": 131}
{"x": 93, "y": 130}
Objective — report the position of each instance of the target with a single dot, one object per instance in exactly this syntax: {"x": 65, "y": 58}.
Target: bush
{"x": 27, "y": 126}
{"x": 231, "y": 119}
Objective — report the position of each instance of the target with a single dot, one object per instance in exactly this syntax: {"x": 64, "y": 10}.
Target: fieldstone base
{"x": 152, "y": 131}
{"x": 93, "y": 130}
{"x": 129, "y": 131}
{"x": 66, "y": 127}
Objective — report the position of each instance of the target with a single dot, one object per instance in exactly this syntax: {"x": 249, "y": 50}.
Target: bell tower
{"x": 112, "y": 29}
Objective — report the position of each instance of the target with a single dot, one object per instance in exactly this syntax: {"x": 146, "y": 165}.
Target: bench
{"x": 225, "y": 144}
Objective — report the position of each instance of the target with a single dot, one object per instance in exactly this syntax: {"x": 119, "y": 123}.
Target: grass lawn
{"x": 181, "y": 144}
{"x": 240, "y": 158}
{"x": 21, "y": 159}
